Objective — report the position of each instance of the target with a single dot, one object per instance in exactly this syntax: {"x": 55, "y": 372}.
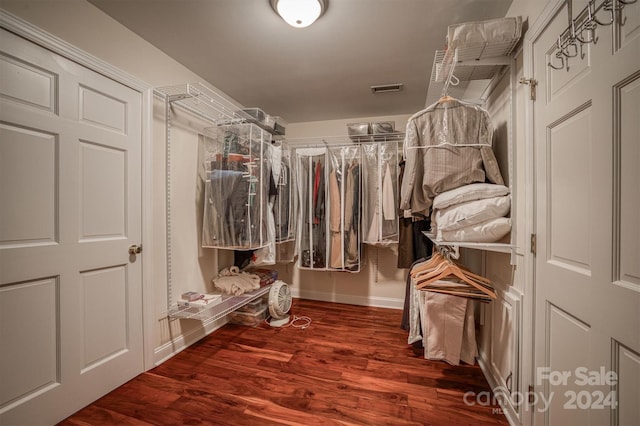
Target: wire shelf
{"x": 498, "y": 247}
{"x": 323, "y": 141}
{"x": 482, "y": 61}
{"x": 211, "y": 106}
{"x": 228, "y": 304}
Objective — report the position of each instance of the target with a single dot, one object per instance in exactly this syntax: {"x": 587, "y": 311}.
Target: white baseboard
{"x": 378, "y": 302}
{"x": 183, "y": 341}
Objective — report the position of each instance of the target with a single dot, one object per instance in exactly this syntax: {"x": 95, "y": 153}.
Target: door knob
{"x": 135, "y": 249}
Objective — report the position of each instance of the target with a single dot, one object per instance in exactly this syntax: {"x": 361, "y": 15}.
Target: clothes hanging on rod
{"x": 329, "y": 214}
{"x": 238, "y": 173}
{"x": 380, "y": 192}
{"x": 285, "y": 200}
{"x": 447, "y": 145}
{"x": 441, "y": 308}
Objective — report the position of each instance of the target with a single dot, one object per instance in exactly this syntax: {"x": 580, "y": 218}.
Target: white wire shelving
{"x": 228, "y": 304}
{"x": 455, "y": 69}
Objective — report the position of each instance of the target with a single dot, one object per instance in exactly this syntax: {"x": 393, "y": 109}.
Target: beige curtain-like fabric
{"x": 334, "y": 222}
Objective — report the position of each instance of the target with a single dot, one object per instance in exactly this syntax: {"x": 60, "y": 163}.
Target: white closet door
{"x": 587, "y": 274}
{"x": 70, "y": 206}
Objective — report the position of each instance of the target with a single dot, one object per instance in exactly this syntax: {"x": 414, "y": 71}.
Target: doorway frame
{"x": 60, "y": 47}
{"x": 534, "y": 32}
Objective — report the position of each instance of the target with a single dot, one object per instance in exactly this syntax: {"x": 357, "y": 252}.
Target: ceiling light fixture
{"x": 299, "y": 13}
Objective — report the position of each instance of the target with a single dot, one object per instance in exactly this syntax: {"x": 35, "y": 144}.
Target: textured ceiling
{"x": 321, "y": 72}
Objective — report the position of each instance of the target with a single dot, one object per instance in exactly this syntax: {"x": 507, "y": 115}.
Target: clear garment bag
{"x": 380, "y": 168}
{"x": 285, "y": 204}
{"x": 345, "y": 186}
{"x": 329, "y": 188}
{"x": 238, "y": 170}
{"x": 312, "y": 174}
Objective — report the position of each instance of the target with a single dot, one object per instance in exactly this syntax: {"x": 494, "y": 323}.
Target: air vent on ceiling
{"x": 384, "y": 88}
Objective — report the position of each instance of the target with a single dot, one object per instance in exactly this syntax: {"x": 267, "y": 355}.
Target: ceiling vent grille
{"x": 385, "y": 88}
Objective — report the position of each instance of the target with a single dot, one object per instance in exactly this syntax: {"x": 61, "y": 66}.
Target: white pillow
{"x": 472, "y": 212}
{"x": 474, "y": 191}
{"x": 485, "y": 232}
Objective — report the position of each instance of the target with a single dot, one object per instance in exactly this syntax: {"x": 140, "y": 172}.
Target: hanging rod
{"x": 323, "y": 141}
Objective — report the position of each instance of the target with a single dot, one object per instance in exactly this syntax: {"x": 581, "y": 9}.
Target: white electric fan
{"x": 279, "y": 303}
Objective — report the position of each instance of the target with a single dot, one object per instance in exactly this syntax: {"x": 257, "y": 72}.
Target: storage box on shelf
{"x": 271, "y": 123}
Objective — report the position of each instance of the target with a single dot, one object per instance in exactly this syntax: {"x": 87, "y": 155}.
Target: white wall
{"x": 379, "y": 282}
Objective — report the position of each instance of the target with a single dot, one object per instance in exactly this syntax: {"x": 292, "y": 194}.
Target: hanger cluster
{"x": 441, "y": 274}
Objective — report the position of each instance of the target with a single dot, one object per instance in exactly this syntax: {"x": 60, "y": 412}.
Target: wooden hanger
{"x": 450, "y": 269}
{"x": 428, "y": 264}
{"x": 423, "y": 270}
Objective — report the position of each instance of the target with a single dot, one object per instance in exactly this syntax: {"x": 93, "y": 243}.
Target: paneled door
{"x": 586, "y": 126}
{"x": 70, "y": 207}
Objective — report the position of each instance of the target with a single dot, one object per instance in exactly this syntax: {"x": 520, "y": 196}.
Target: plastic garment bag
{"x": 237, "y": 171}
{"x": 380, "y": 162}
{"x": 329, "y": 188}
{"x": 344, "y": 213}
{"x": 311, "y": 168}
{"x": 285, "y": 206}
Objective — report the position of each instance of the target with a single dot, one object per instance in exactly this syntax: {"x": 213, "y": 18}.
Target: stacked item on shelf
{"x": 267, "y": 276}
{"x": 476, "y": 51}
{"x": 482, "y": 33}
{"x": 380, "y": 163}
{"x": 251, "y": 314}
{"x": 271, "y": 123}
{"x": 198, "y": 301}
{"x": 368, "y": 132}
{"x": 472, "y": 213}
{"x": 233, "y": 281}
{"x": 237, "y": 165}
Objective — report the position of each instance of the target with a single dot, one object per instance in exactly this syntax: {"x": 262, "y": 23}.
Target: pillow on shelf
{"x": 471, "y": 192}
{"x": 472, "y": 212}
{"x": 485, "y": 232}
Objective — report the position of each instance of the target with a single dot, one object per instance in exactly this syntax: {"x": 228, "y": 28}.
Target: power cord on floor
{"x": 300, "y": 322}
{"x": 295, "y": 322}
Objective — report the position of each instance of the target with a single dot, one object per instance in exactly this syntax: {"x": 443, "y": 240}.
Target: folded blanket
{"x": 232, "y": 281}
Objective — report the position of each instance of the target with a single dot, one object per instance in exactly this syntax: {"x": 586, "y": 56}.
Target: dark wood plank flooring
{"x": 351, "y": 366}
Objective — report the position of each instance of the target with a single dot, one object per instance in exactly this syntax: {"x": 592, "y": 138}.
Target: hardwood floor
{"x": 352, "y": 365}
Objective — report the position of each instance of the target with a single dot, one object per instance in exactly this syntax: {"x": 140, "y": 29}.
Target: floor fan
{"x": 279, "y": 304}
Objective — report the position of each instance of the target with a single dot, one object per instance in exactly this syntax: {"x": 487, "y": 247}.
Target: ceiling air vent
{"x": 385, "y": 88}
